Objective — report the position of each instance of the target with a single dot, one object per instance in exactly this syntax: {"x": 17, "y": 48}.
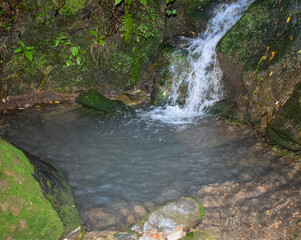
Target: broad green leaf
{"x": 57, "y": 42}
{"x": 101, "y": 42}
{"x": 118, "y": 1}
{"x": 63, "y": 37}
{"x": 18, "y": 50}
{"x": 143, "y": 2}
{"x": 29, "y": 48}
{"x": 78, "y": 60}
{"x": 69, "y": 63}
{"x": 128, "y": 2}
{"x": 74, "y": 51}
{"x": 95, "y": 42}
{"x": 21, "y": 43}
{"x": 168, "y": 12}
{"x": 102, "y": 37}
{"x": 93, "y": 33}
{"x": 299, "y": 51}
{"x": 28, "y": 55}
{"x": 174, "y": 11}
{"x": 68, "y": 43}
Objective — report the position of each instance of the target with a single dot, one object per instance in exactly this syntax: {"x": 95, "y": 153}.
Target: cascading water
{"x": 205, "y": 75}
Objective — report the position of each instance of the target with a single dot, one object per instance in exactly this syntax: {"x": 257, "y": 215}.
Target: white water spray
{"x": 204, "y": 79}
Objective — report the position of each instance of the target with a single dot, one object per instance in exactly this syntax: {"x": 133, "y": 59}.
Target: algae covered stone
{"x": 184, "y": 212}
{"x": 95, "y": 100}
{"x": 202, "y": 235}
{"x": 25, "y": 212}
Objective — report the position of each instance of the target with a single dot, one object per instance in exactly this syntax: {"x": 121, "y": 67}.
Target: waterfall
{"x": 203, "y": 80}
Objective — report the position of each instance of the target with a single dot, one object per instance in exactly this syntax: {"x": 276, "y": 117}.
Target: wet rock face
{"x": 185, "y": 212}
{"x": 260, "y": 60}
{"x": 285, "y": 130}
{"x": 95, "y": 100}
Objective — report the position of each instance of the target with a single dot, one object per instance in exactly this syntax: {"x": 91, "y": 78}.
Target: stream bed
{"x": 122, "y": 166}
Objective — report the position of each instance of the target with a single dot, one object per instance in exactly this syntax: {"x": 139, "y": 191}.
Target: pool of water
{"x": 121, "y": 166}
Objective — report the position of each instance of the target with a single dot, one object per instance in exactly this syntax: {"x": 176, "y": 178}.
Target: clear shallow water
{"x": 114, "y": 163}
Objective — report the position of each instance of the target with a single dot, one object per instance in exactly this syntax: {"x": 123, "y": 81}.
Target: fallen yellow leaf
{"x": 271, "y": 73}
{"x": 288, "y": 19}
{"x": 291, "y": 37}
{"x": 299, "y": 51}
{"x": 38, "y": 106}
{"x": 50, "y": 102}
{"x": 3, "y": 100}
{"x": 56, "y": 102}
{"x": 20, "y": 108}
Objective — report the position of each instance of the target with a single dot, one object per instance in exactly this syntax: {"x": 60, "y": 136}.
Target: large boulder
{"x": 184, "y": 212}
{"x": 36, "y": 203}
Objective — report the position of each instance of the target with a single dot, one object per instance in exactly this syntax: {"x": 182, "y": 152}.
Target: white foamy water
{"x": 203, "y": 80}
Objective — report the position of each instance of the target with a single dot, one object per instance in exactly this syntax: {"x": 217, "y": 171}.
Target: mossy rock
{"x": 221, "y": 108}
{"x": 57, "y": 191}
{"x": 95, "y": 100}
{"x": 264, "y": 24}
{"x": 172, "y": 65}
{"x": 202, "y": 235}
{"x": 285, "y": 130}
{"x": 185, "y": 212}
{"x": 25, "y": 212}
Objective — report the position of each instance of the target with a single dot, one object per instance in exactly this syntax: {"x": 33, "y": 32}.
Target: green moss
{"x": 70, "y": 7}
{"x": 159, "y": 97}
{"x": 263, "y": 25}
{"x": 25, "y": 212}
{"x": 221, "y": 108}
{"x": 202, "y": 210}
{"x": 95, "y": 100}
{"x": 243, "y": 42}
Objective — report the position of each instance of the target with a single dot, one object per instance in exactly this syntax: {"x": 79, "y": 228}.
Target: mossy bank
{"x": 29, "y": 210}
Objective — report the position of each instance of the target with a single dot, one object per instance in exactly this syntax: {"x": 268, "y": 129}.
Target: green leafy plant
{"x": 25, "y": 50}
{"x": 74, "y": 49}
{"x": 170, "y": 12}
{"x": 98, "y": 40}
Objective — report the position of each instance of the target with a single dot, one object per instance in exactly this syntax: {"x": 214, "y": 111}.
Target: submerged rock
{"x": 184, "y": 212}
{"x": 95, "y": 100}
{"x": 35, "y": 203}
{"x": 123, "y": 236}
